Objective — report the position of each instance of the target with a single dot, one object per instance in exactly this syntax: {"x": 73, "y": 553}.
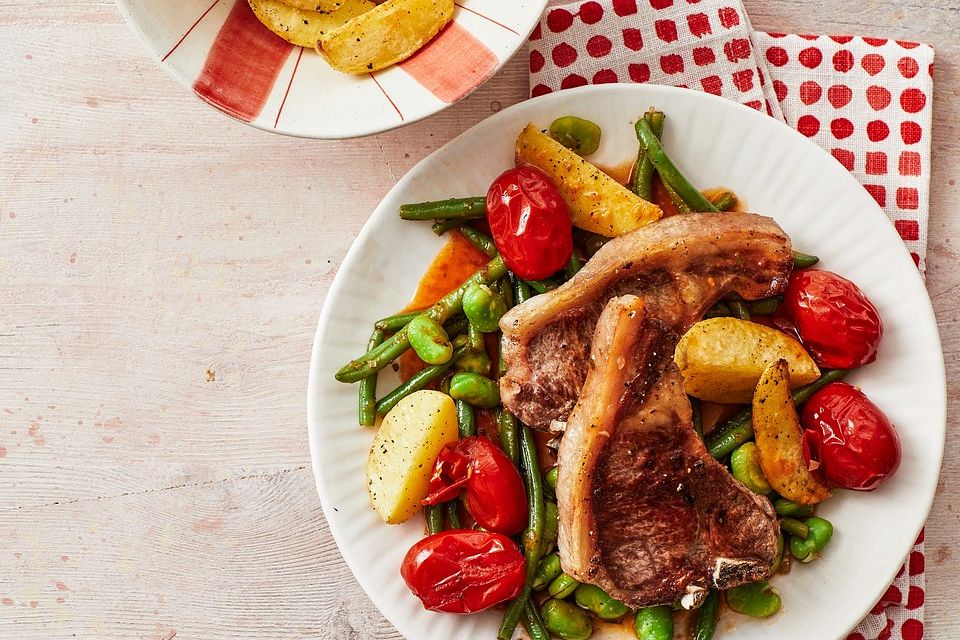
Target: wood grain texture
{"x": 161, "y": 272}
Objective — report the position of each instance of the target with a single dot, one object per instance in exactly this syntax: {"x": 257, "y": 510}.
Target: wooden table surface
{"x": 161, "y": 272}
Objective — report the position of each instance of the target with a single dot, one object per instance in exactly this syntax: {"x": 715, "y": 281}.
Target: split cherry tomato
{"x": 494, "y": 491}
{"x": 854, "y": 443}
{"x": 464, "y": 571}
{"x": 530, "y": 223}
{"x": 833, "y": 318}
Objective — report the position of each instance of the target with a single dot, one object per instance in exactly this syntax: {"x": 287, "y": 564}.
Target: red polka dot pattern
{"x": 866, "y": 100}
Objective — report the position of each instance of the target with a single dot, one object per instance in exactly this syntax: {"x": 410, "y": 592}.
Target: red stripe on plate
{"x": 286, "y": 93}
{"x": 242, "y": 65}
{"x": 387, "y": 96}
{"x": 192, "y": 27}
{"x": 488, "y": 18}
{"x": 452, "y": 65}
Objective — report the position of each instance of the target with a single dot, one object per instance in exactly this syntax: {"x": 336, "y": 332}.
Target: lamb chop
{"x": 680, "y": 266}
{"x": 645, "y": 512}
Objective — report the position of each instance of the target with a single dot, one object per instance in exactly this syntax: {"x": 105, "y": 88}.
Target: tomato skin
{"x": 464, "y": 571}
{"x": 833, "y": 318}
{"x": 530, "y": 223}
{"x": 478, "y": 469}
{"x": 854, "y": 442}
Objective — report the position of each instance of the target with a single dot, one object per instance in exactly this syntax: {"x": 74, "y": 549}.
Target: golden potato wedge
{"x": 388, "y": 34}
{"x": 303, "y": 27}
{"x": 321, "y": 6}
{"x": 597, "y": 202}
{"x": 722, "y": 359}
{"x": 401, "y": 459}
{"x": 780, "y": 439}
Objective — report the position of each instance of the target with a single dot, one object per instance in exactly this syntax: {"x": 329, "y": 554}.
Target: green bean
{"x": 562, "y": 586}
{"x": 480, "y": 240}
{"x": 547, "y": 571}
{"x": 530, "y": 468}
{"x": 551, "y": 477}
{"x": 509, "y": 437}
{"x": 595, "y": 599}
{"x": 745, "y": 464}
{"x": 579, "y": 135}
{"x": 551, "y": 525}
{"x": 719, "y": 310}
{"x": 459, "y": 208}
{"x": 738, "y": 307}
{"x": 368, "y": 388}
{"x": 795, "y": 528}
{"x": 592, "y": 242}
{"x": 479, "y": 391}
{"x": 804, "y": 260}
{"x": 705, "y": 621}
{"x": 453, "y": 513}
{"x": 820, "y": 532}
{"x": 696, "y": 415}
{"x": 390, "y": 349}
{"x": 521, "y": 291}
{"x": 669, "y": 174}
{"x": 791, "y": 509}
{"x": 566, "y": 620}
{"x": 396, "y": 322}
{"x": 429, "y": 340}
{"x": 757, "y": 600}
{"x": 466, "y": 420}
{"x": 434, "y": 514}
{"x": 483, "y": 307}
{"x": 642, "y": 179}
{"x": 725, "y": 201}
{"x": 678, "y": 202}
{"x": 533, "y": 622}
{"x": 474, "y": 361}
{"x": 765, "y": 306}
{"x": 739, "y": 428}
{"x": 474, "y": 338}
{"x": 416, "y": 382}
{"x": 654, "y": 623}
{"x": 542, "y": 286}
{"x": 456, "y": 326}
{"x": 440, "y": 227}
{"x": 778, "y": 559}
{"x": 573, "y": 266}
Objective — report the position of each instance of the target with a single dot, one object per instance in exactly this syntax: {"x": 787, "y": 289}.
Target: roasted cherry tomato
{"x": 530, "y": 223}
{"x": 464, "y": 571}
{"x": 850, "y": 437}
{"x": 494, "y": 491}
{"x": 833, "y": 318}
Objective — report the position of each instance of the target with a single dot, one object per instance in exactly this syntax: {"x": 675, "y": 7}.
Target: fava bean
{"x": 551, "y": 525}
{"x": 477, "y": 390}
{"x": 757, "y": 600}
{"x": 477, "y": 362}
{"x": 429, "y": 340}
{"x": 791, "y": 509}
{"x": 745, "y": 463}
{"x": 483, "y": 307}
{"x": 598, "y": 601}
{"x": 547, "y": 571}
{"x": 551, "y": 477}
{"x": 579, "y": 135}
{"x": 566, "y": 620}
{"x": 820, "y": 533}
{"x": 562, "y": 586}
{"x": 654, "y": 623}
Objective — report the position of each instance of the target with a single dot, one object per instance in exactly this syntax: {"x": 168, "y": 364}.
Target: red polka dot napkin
{"x": 867, "y": 101}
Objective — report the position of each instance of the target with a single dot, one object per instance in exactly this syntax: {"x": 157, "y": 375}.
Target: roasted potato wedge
{"x": 597, "y": 202}
{"x": 780, "y": 439}
{"x": 722, "y": 359}
{"x": 303, "y": 27}
{"x": 321, "y": 6}
{"x": 388, "y": 34}
{"x": 401, "y": 459}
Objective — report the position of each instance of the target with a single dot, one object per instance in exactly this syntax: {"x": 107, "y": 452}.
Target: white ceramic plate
{"x": 221, "y": 52}
{"x": 715, "y": 142}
